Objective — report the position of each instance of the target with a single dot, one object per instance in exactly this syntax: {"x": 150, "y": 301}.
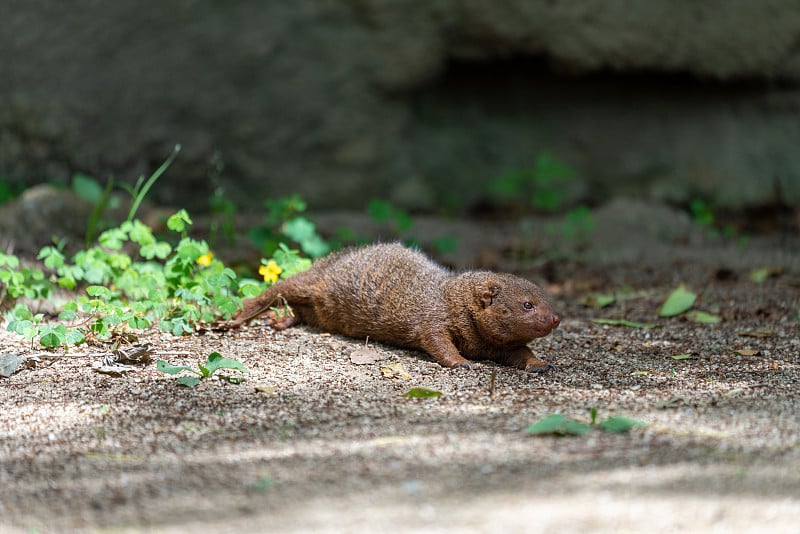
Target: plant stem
{"x": 139, "y": 197}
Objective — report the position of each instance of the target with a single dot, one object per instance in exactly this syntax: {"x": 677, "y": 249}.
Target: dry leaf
{"x": 365, "y": 356}
{"x": 755, "y": 333}
{"x": 747, "y": 352}
{"x": 395, "y": 370}
{"x": 263, "y": 388}
{"x": 672, "y": 402}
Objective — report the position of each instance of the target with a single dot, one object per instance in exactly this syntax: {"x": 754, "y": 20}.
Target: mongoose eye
{"x": 528, "y": 305}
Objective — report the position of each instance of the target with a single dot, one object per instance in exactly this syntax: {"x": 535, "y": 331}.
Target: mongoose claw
{"x": 543, "y": 368}
{"x": 466, "y": 365}
{"x": 542, "y": 365}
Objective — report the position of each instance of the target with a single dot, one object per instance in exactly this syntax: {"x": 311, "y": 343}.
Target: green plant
{"x": 132, "y": 280}
{"x": 544, "y": 186}
{"x": 398, "y": 220}
{"x": 101, "y": 198}
{"x": 283, "y": 221}
{"x": 559, "y": 425}
{"x": 8, "y": 191}
{"x": 703, "y": 214}
{"x": 90, "y": 190}
{"x": 142, "y": 187}
{"x": 213, "y": 363}
{"x": 222, "y": 208}
{"x": 576, "y": 225}
{"x": 27, "y": 282}
{"x": 222, "y": 211}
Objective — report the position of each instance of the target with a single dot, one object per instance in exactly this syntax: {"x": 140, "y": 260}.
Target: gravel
{"x": 313, "y": 442}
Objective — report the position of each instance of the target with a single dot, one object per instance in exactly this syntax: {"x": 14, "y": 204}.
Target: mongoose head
{"x": 511, "y": 311}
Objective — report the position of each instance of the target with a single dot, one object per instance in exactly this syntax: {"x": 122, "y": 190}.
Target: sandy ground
{"x": 313, "y": 442}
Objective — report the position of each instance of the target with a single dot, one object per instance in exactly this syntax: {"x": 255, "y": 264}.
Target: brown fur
{"x": 398, "y": 296}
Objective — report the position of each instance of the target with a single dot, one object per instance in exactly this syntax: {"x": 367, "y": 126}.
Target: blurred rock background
{"x": 428, "y": 104}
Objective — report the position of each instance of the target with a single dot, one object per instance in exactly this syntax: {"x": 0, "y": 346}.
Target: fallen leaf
{"x": 619, "y": 424}
{"x": 747, "y": 352}
{"x": 422, "y": 393}
{"x": 697, "y": 316}
{"x": 680, "y": 300}
{"x": 672, "y": 402}
{"x": 365, "y": 356}
{"x": 755, "y": 333}
{"x": 759, "y": 275}
{"x": 734, "y": 392}
{"x": 117, "y": 369}
{"x": 232, "y": 379}
{"x": 188, "y": 381}
{"x": 599, "y": 300}
{"x": 558, "y": 425}
{"x": 681, "y": 356}
{"x": 263, "y": 388}
{"x": 623, "y": 322}
{"x": 395, "y": 370}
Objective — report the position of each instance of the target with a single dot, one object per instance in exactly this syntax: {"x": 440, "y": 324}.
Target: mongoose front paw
{"x": 541, "y": 368}
{"x": 535, "y": 365}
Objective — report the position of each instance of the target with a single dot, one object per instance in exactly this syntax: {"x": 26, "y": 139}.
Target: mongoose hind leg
{"x": 281, "y": 319}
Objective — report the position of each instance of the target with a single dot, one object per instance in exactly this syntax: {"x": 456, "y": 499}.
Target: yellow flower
{"x": 270, "y": 271}
{"x": 205, "y": 259}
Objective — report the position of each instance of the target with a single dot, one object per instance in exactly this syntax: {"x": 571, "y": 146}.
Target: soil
{"x": 311, "y": 441}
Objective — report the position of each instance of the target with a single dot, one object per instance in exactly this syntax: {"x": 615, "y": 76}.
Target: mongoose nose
{"x": 556, "y": 320}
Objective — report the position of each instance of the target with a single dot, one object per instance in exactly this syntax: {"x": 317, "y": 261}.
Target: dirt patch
{"x": 326, "y": 445}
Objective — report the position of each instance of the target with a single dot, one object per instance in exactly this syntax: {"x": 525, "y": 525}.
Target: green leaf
{"x": 262, "y": 484}
{"x": 290, "y": 261}
{"x": 232, "y": 379}
{"x": 299, "y": 229}
{"x": 87, "y": 187}
{"x": 157, "y": 249}
{"x": 593, "y": 414}
{"x": 249, "y": 288}
{"x": 697, "y": 316}
{"x": 681, "y": 356}
{"x": 759, "y": 275}
{"x": 53, "y": 259}
{"x": 178, "y": 222}
{"x": 216, "y": 361}
{"x": 166, "y": 367}
{"x": 619, "y": 424}
{"x": 599, "y": 300}
{"x": 422, "y": 393}
{"x": 558, "y": 425}
{"x": 680, "y": 300}
{"x": 315, "y": 246}
{"x": 220, "y": 280}
{"x": 227, "y": 305}
{"x": 379, "y": 210}
{"x": 11, "y": 260}
{"x": 188, "y": 381}
{"x": 623, "y": 322}
{"x": 52, "y": 336}
{"x": 74, "y": 336}
{"x": 304, "y": 231}
{"x": 99, "y": 291}
{"x": 113, "y": 238}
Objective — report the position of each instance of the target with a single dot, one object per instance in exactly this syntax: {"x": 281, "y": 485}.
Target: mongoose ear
{"x": 488, "y": 294}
